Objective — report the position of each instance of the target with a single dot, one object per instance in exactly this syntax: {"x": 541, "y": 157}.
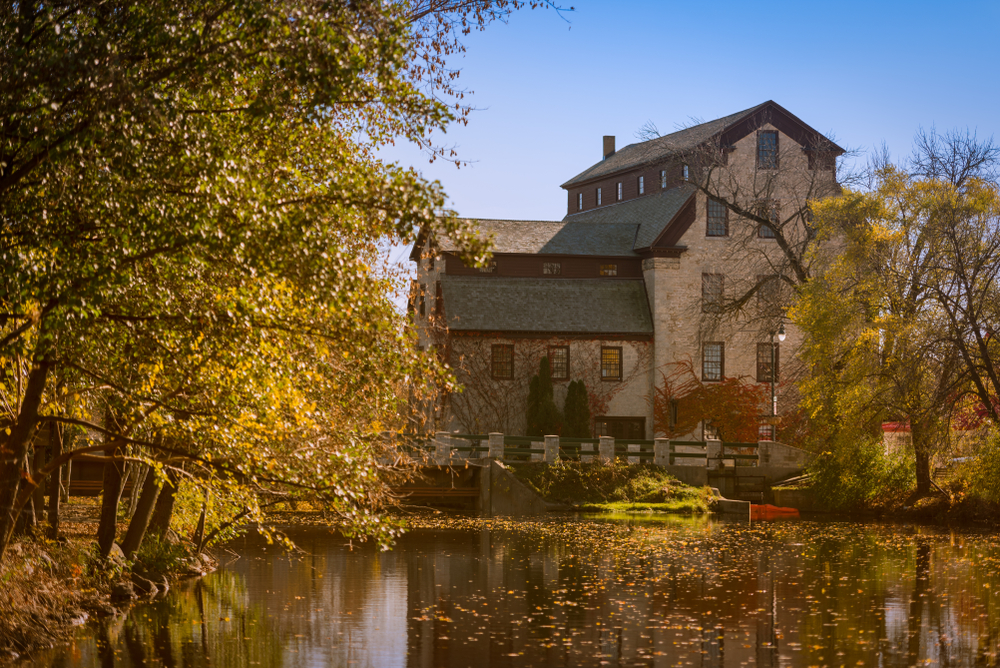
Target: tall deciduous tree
{"x": 888, "y": 321}
{"x": 190, "y": 208}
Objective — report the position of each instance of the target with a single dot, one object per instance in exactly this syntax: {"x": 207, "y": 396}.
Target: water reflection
{"x": 579, "y": 592}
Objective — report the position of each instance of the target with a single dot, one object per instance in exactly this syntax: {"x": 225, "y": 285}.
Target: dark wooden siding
{"x": 630, "y": 185}
{"x": 573, "y": 266}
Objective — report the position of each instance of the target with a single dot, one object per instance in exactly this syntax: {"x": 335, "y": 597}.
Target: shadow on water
{"x": 574, "y": 591}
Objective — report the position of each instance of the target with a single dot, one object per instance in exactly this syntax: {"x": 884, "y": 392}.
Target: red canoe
{"x": 768, "y": 512}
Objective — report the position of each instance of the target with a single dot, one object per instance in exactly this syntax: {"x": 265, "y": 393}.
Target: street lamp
{"x": 774, "y": 375}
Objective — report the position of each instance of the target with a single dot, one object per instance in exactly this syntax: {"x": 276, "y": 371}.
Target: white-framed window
{"x": 579, "y": 201}
{"x": 642, "y": 185}
{"x": 598, "y": 197}
{"x": 713, "y": 361}
{"x": 663, "y": 178}
{"x": 619, "y": 194}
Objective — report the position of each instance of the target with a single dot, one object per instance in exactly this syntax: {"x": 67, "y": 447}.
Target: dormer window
{"x": 619, "y": 194}
{"x": 579, "y": 201}
{"x": 598, "y": 197}
{"x": 684, "y": 172}
{"x": 663, "y": 178}
{"x": 767, "y": 149}
{"x": 642, "y": 186}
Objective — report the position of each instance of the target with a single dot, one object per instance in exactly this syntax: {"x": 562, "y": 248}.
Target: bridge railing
{"x": 445, "y": 447}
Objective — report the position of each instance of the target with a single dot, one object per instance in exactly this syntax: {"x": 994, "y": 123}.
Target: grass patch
{"x": 616, "y": 487}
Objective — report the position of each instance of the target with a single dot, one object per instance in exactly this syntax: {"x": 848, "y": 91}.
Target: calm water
{"x": 577, "y": 592}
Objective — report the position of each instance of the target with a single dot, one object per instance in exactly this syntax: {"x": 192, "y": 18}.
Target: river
{"x": 600, "y": 591}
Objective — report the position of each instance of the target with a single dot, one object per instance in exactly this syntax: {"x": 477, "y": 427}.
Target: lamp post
{"x": 774, "y": 376}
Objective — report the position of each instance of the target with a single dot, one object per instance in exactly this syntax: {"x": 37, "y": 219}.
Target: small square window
{"x": 663, "y": 178}
{"x": 709, "y": 432}
{"x": 767, "y": 149}
{"x": 552, "y": 268}
{"x": 559, "y": 362}
{"x": 711, "y": 292}
{"x": 611, "y": 363}
{"x": 502, "y": 361}
{"x": 598, "y": 197}
{"x": 619, "y": 191}
{"x": 765, "y": 362}
{"x": 713, "y": 361}
{"x": 609, "y": 270}
{"x": 642, "y": 186}
{"x": 684, "y": 172}
{"x": 718, "y": 219}
{"x": 579, "y": 202}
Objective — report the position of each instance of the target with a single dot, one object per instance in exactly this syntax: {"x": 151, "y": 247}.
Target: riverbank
{"x": 614, "y": 487}
{"x": 49, "y": 587}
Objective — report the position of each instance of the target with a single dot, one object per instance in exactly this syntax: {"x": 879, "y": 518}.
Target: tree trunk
{"x": 56, "y": 446}
{"x": 921, "y": 435}
{"x": 143, "y": 513}
{"x": 107, "y": 529}
{"x": 160, "y": 521}
{"x": 15, "y": 449}
{"x": 199, "y": 533}
{"x": 38, "y": 461}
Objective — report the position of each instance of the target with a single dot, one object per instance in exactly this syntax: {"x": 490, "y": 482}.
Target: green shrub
{"x": 858, "y": 474}
{"x": 160, "y": 556}
{"x": 983, "y": 473}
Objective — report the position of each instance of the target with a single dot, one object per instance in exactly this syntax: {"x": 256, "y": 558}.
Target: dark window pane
{"x": 712, "y": 361}
{"x": 764, "y": 363}
{"x": 559, "y": 362}
{"x": 711, "y": 292}
{"x": 716, "y": 219}
{"x": 502, "y": 361}
{"x": 767, "y": 149}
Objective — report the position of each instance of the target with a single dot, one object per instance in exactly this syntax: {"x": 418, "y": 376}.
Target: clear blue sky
{"x": 547, "y": 90}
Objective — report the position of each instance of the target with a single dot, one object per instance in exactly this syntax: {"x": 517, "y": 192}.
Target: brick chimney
{"x": 609, "y": 146}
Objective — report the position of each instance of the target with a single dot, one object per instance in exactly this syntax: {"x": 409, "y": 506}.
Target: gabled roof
{"x": 689, "y": 139}
{"x": 555, "y": 237}
{"x": 552, "y": 305}
{"x": 650, "y": 213}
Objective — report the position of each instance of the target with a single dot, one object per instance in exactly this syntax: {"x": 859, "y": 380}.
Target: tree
{"x": 881, "y": 342}
{"x": 190, "y": 206}
{"x": 543, "y": 415}
{"x": 576, "y": 412}
{"x": 682, "y": 401}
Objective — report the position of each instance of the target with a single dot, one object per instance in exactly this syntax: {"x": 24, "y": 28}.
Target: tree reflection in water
{"x": 572, "y": 592}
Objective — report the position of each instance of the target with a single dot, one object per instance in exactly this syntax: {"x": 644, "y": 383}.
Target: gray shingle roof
{"x": 651, "y": 213}
{"x": 606, "y": 237}
{"x": 592, "y": 306}
{"x": 645, "y": 152}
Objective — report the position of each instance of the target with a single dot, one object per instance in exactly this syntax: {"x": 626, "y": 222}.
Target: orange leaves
{"x": 681, "y": 401}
